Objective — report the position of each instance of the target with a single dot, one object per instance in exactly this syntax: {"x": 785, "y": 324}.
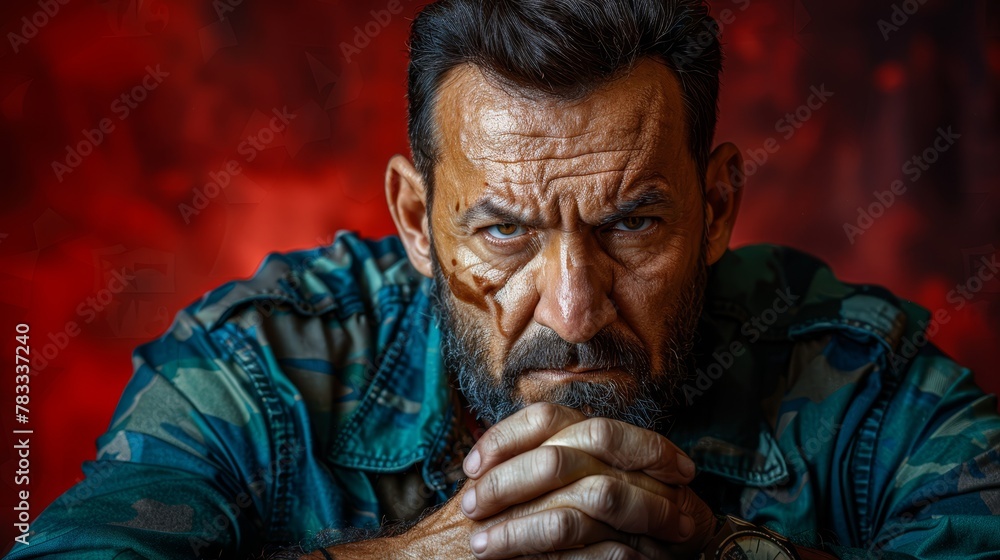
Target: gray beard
{"x": 645, "y": 403}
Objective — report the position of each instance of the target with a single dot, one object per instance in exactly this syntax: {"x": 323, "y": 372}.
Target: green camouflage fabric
{"x": 310, "y": 401}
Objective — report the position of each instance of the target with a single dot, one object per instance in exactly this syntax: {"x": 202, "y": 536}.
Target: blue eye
{"x": 633, "y": 224}
{"x": 506, "y": 231}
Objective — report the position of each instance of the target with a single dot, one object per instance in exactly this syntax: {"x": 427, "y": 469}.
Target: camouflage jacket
{"x": 311, "y": 399}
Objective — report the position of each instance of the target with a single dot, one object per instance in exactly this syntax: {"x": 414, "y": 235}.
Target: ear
{"x": 407, "y": 197}
{"x": 723, "y": 193}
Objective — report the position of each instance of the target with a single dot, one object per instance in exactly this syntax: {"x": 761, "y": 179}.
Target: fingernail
{"x": 687, "y": 526}
{"x": 469, "y": 501}
{"x": 472, "y": 462}
{"x": 685, "y": 465}
{"x": 478, "y": 542}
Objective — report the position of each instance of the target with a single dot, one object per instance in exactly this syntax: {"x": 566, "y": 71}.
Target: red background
{"x": 230, "y": 64}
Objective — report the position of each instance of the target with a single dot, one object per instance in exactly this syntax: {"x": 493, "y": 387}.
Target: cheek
{"x": 471, "y": 280}
{"x": 499, "y": 300}
{"x": 648, "y": 295}
{"x": 517, "y": 299}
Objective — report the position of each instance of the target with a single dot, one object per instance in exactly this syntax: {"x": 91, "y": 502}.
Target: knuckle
{"x": 687, "y": 499}
{"x": 564, "y": 525}
{"x": 625, "y": 462}
{"x": 604, "y": 494}
{"x": 661, "y": 451}
{"x": 549, "y": 464}
{"x": 542, "y": 415}
{"x": 493, "y": 442}
{"x": 551, "y": 532}
{"x": 503, "y": 539}
{"x": 664, "y": 510}
{"x": 667, "y": 451}
{"x": 489, "y": 488}
{"x": 604, "y": 432}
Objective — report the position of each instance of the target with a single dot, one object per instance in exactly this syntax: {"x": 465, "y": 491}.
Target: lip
{"x": 571, "y": 374}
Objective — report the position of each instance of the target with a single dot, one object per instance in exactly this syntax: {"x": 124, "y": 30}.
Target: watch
{"x": 736, "y": 539}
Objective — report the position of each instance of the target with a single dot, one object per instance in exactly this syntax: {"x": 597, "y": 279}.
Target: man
{"x": 558, "y": 356}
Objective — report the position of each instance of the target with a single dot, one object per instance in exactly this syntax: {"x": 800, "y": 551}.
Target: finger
{"x": 625, "y": 507}
{"x": 552, "y": 531}
{"x": 627, "y": 447}
{"x": 607, "y": 550}
{"x": 538, "y": 471}
{"x": 525, "y": 429}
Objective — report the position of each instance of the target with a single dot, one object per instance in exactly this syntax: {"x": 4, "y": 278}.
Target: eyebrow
{"x": 488, "y": 210}
{"x": 648, "y": 198}
{"x": 492, "y": 211}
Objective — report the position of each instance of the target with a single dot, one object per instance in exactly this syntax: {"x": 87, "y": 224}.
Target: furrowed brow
{"x": 645, "y": 201}
{"x": 489, "y": 211}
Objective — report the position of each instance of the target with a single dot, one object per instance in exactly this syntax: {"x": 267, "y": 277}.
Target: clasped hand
{"x": 551, "y": 482}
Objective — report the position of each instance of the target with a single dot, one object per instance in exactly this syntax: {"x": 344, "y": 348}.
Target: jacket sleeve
{"x": 188, "y": 466}
{"x": 937, "y": 468}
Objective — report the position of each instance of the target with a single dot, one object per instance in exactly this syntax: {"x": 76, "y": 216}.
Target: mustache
{"x": 608, "y": 349}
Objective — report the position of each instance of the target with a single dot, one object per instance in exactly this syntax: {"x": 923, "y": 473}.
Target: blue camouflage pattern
{"x": 310, "y": 401}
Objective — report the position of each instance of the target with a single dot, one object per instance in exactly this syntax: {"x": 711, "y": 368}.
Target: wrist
{"x": 385, "y": 548}
{"x": 411, "y": 544}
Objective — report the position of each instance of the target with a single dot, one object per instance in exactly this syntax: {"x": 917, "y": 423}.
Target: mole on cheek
{"x": 454, "y": 262}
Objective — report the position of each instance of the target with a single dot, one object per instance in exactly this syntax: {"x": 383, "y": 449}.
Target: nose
{"x": 574, "y": 291}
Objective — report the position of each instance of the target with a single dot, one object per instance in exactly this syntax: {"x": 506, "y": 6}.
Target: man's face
{"x": 567, "y": 244}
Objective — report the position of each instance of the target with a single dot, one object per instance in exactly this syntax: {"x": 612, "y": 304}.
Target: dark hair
{"x": 563, "y": 48}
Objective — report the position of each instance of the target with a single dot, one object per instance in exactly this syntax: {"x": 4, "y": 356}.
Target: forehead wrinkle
{"x": 555, "y": 158}
{"x": 548, "y": 151}
{"x": 481, "y": 144}
{"x": 492, "y": 121}
{"x": 540, "y": 193}
{"x": 542, "y": 136}
{"x": 620, "y": 164}
{"x": 470, "y": 94}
